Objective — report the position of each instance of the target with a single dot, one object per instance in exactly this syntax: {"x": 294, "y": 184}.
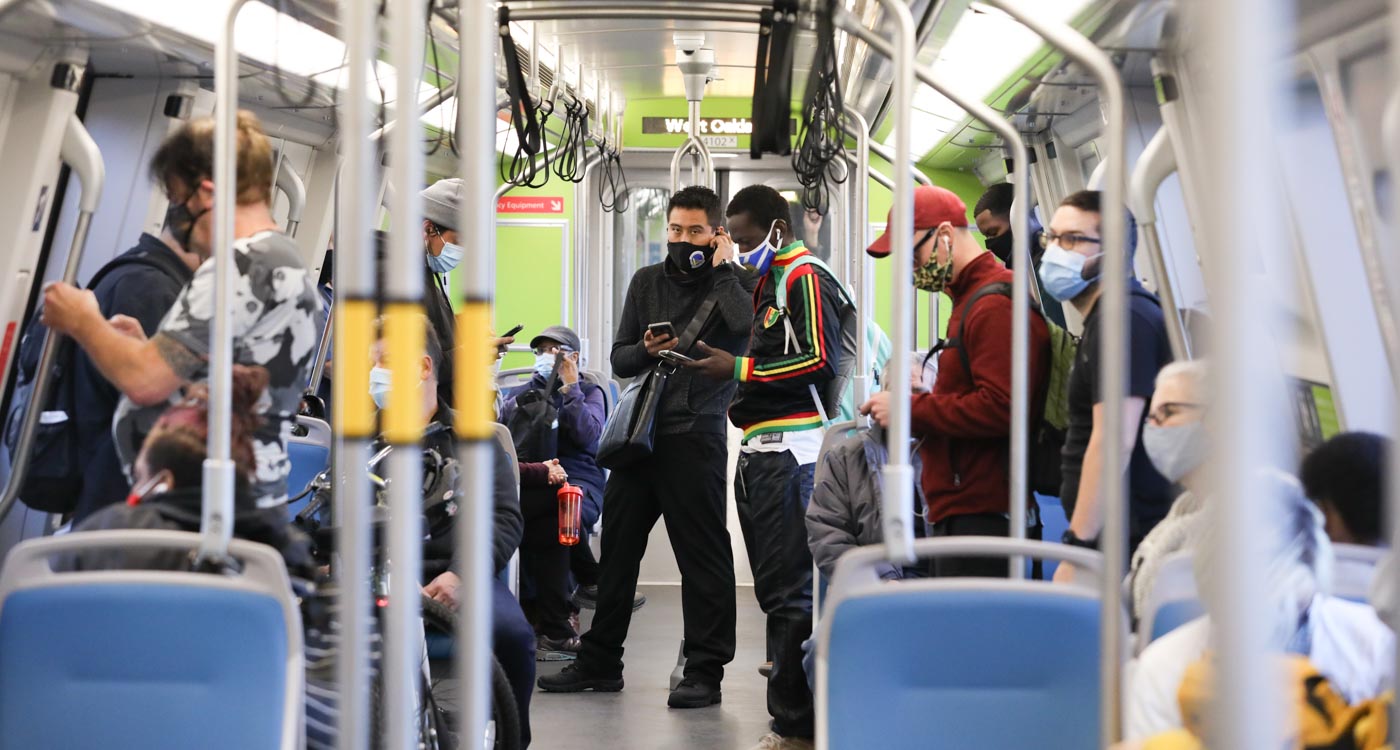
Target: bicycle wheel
{"x": 504, "y": 712}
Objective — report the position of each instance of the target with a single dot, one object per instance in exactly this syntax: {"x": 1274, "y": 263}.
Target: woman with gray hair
{"x": 1345, "y": 641}
{"x": 1175, "y": 439}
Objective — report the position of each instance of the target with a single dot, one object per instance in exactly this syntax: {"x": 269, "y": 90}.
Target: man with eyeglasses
{"x": 1070, "y": 269}
{"x": 683, "y": 480}
{"x": 964, "y": 424}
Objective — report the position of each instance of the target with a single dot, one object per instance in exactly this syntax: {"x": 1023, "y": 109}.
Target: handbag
{"x": 630, "y": 432}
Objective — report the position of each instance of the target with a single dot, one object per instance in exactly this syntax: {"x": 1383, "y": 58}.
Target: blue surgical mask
{"x": 447, "y": 260}
{"x": 1062, "y": 273}
{"x": 760, "y": 259}
{"x": 544, "y": 364}
{"x": 379, "y": 379}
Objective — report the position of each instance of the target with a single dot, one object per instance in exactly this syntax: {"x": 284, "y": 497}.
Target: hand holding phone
{"x": 675, "y": 357}
{"x": 511, "y": 333}
{"x": 659, "y": 337}
{"x": 662, "y": 330}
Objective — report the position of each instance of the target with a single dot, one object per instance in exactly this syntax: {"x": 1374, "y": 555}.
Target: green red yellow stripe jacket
{"x": 774, "y": 377}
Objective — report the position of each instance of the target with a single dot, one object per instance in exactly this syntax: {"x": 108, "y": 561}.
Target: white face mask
{"x": 379, "y": 383}
{"x": 447, "y": 260}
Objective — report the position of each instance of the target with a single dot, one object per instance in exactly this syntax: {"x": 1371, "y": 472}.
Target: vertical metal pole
{"x": 1113, "y": 347}
{"x": 1154, "y": 165}
{"x": 899, "y": 475}
{"x": 403, "y": 337}
{"x": 354, "y": 314}
{"x": 1021, "y": 290}
{"x": 1243, "y": 97}
{"x": 476, "y": 120}
{"x": 216, "y": 521}
{"x": 79, "y": 152}
{"x": 1391, "y": 139}
{"x": 859, "y": 226}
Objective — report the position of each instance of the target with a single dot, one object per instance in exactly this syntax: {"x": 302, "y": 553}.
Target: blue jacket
{"x": 581, "y": 416}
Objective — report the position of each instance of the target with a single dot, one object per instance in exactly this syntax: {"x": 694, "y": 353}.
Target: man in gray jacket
{"x": 844, "y": 512}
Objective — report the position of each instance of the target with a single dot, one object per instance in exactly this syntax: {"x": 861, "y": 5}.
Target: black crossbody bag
{"x": 630, "y": 433}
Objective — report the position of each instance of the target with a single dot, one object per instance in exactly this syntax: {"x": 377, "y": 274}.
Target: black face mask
{"x": 180, "y": 222}
{"x": 1000, "y": 246}
{"x": 690, "y": 258}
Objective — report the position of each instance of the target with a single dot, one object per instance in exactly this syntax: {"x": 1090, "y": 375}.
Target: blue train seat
{"x": 309, "y": 453}
{"x": 954, "y": 663}
{"x": 153, "y": 658}
{"x": 1054, "y": 524}
{"x": 1172, "y": 602}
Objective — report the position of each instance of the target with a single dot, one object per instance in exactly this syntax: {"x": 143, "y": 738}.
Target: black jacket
{"x": 440, "y": 553}
{"x": 179, "y": 510}
{"x": 144, "y": 285}
{"x": 661, "y": 293}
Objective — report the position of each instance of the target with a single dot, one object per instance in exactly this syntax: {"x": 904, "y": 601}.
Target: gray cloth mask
{"x": 1177, "y": 450}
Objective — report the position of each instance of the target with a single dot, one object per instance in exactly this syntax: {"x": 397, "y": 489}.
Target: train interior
{"x": 128, "y": 72}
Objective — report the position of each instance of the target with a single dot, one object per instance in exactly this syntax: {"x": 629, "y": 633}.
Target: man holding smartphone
{"x": 684, "y": 479}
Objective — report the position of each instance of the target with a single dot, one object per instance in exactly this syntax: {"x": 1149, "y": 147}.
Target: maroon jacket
{"x": 965, "y": 423}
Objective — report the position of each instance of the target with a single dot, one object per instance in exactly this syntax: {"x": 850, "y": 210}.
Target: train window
{"x": 640, "y": 234}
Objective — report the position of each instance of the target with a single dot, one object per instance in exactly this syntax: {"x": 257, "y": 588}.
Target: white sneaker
{"x": 775, "y": 741}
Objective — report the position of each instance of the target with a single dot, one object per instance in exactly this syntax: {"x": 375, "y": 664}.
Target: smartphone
{"x": 671, "y": 355}
{"x": 661, "y": 330}
{"x": 513, "y": 331}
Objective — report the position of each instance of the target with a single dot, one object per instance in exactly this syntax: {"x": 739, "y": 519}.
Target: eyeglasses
{"x": 1165, "y": 412}
{"x": 1068, "y": 240}
{"x": 553, "y": 349}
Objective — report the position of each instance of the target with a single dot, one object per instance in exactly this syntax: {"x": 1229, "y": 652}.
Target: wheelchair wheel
{"x": 504, "y": 712}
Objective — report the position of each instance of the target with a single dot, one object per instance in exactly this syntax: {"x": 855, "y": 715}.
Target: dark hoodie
{"x": 179, "y": 510}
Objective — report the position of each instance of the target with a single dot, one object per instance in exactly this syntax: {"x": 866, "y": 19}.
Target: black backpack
{"x": 54, "y": 479}
{"x": 1047, "y": 437}
{"x": 534, "y": 425}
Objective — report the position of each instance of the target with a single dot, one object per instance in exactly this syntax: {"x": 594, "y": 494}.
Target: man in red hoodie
{"x": 964, "y": 424}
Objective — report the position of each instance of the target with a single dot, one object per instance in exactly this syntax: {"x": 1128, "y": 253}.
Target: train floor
{"x": 637, "y": 718}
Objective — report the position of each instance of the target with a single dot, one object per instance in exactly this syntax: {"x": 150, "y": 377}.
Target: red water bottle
{"x": 570, "y": 514}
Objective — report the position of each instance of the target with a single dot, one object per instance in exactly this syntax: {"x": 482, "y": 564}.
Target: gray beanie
{"x": 442, "y": 202}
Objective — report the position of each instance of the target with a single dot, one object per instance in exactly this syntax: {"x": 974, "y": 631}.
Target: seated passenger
{"x": 1345, "y": 476}
{"x": 845, "y": 509}
{"x": 1176, "y": 443}
{"x": 512, "y": 639}
{"x": 1346, "y": 642}
{"x": 168, "y": 478}
{"x": 581, "y": 412}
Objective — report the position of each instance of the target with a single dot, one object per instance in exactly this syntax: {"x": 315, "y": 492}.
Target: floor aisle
{"x": 637, "y": 718}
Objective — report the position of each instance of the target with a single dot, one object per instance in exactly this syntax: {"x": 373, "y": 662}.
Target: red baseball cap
{"x": 932, "y": 206}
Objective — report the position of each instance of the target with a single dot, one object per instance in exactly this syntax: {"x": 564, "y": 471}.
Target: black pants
{"x": 546, "y": 561}
{"x": 513, "y": 642}
{"x": 975, "y": 524}
{"x": 683, "y": 482}
{"x": 772, "y": 491}
{"x": 582, "y": 564}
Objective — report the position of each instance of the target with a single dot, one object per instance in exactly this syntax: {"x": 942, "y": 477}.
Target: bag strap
{"x": 996, "y": 287}
{"x": 780, "y": 292}
{"x": 697, "y": 323}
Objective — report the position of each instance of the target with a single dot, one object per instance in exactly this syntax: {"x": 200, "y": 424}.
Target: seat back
{"x": 952, "y": 663}
{"x": 1354, "y": 570}
{"x": 1172, "y": 602}
{"x": 1053, "y": 527}
{"x": 309, "y": 453}
{"x": 602, "y": 381}
{"x": 153, "y": 658}
{"x": 508, "y": 379}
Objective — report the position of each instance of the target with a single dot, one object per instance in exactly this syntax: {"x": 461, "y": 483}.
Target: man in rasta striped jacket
{"x": 793, "y": 355}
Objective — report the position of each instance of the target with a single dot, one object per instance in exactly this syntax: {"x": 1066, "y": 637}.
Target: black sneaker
{"x": 693, "y": 694}
{"x": 573, "y": 679}
{"x": 556, "y": 649}
{"x": 586, "y": 597}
